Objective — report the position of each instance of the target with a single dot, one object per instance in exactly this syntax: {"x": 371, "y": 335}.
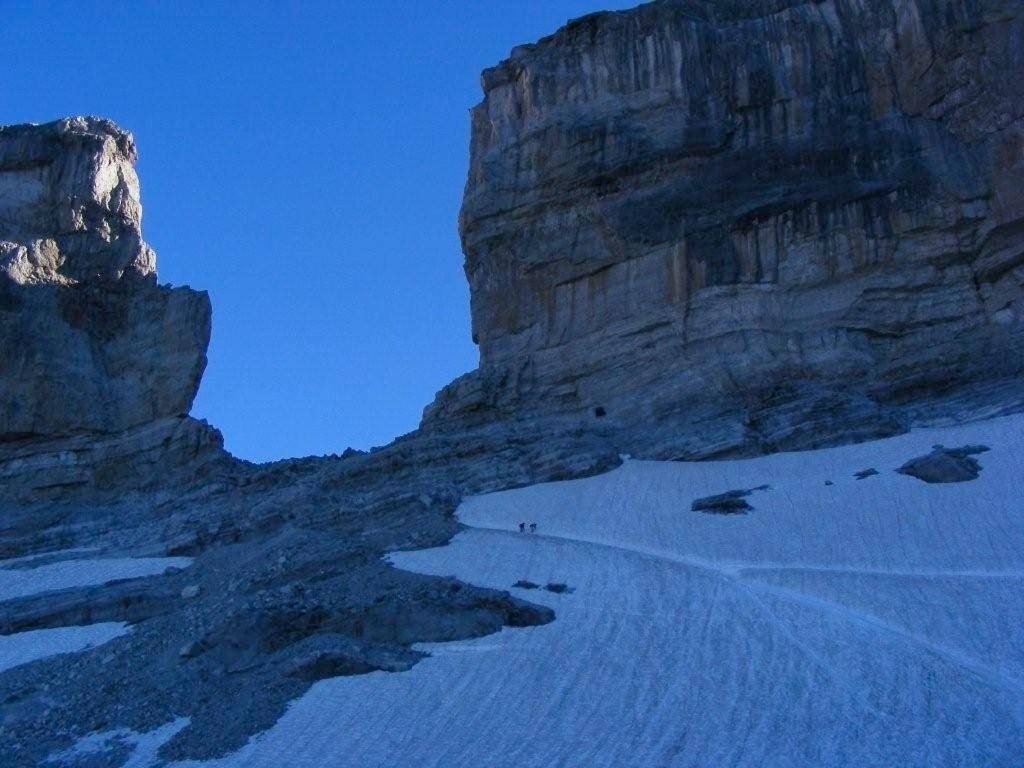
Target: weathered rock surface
{"x": 167, "y": 455}
{"x": 946, "y": 465}
{"x": 735, "y": 226}
{"x": 292, "y": 585}
{"x": 288, "y": 585}
{"x": 729, "y": 503}
{"x": 88, "y": 340}
{"x": 692, "y": 229}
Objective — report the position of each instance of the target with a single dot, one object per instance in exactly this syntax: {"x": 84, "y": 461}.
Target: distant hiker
{"x": 533, "y": 527}
{"x": 522, "y": 527}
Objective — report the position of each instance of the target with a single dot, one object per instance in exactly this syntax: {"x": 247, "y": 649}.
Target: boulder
{"x": 945, "y": 465}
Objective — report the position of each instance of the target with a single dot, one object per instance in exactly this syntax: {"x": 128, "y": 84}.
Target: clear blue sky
{"x": 304, "y": 163}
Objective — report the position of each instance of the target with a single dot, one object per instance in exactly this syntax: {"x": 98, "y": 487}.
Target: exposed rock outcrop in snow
{"x": 287, "y": 559}
{"x": 733, "y": 227}
{"x": 946, "y": 465}
{"x": 727, "y": 503}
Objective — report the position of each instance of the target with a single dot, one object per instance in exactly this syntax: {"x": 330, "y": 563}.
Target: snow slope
{"x": 23, "y": 647}
{"x": 873, "y": 622}
{"x": 22, "y": 582}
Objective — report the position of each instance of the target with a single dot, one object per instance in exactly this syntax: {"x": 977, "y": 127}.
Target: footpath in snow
{"x": 866, "y": 622}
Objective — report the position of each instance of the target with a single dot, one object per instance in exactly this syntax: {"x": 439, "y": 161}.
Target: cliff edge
{"x": 88, "y": 341}
{"x": 728, "y": 228}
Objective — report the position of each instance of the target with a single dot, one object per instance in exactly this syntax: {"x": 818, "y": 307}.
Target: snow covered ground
{"x": 870, "y": 622}
{"x": 23, "y": 647}
{"x": 24, "y": 581}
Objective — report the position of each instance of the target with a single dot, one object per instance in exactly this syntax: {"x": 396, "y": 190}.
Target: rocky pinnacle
{"x": 88, "y": 341}
{"x": 733, "y": 227}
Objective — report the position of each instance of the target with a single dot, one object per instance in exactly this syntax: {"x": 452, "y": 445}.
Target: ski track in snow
{"x": 872, "y": 622}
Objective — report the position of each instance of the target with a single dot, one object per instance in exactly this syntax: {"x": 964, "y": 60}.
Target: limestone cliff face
{"x": 88, "y": 340}
{"x": 753, "y": 223}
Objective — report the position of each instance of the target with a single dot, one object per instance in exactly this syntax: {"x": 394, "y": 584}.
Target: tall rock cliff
{"x": 745, "y": 225}
{"x": 98, "y": 363}
{"x": 88, "y": 341}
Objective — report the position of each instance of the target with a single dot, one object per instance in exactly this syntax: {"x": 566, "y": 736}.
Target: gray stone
{"x": 733, "y": 227}
{"x": 729, "y": 503}
{"x": 169, "y": 453}
{"x": 558, "y": 587}
{"x": 945, "y": 465}
{"x": 190, "y": 650}
{"x": 88, "y": 340}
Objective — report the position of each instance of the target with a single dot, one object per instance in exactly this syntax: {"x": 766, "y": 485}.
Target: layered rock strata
{"x": 737, "y": 226}
{"x": 88, "y": 341}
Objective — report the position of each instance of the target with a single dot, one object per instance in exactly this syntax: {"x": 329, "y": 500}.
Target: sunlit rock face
{"x": 88, "y": 340}
{"x": 751, "y": 225}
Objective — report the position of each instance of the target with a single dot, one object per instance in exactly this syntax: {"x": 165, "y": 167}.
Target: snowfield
{"x": 870, "y": 622}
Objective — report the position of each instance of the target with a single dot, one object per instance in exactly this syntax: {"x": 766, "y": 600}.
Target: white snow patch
{"x": 60, "y": 554}
{"x": 143, "y": 746}
{"x": 23, "y": 647}
{"x": 871, "y": 622}
{"x": 65, "y": 574}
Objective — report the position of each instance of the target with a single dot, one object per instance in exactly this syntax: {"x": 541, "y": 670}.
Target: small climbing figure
{"x": 533, "y": 527}
{"x": 522, "y": 527}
